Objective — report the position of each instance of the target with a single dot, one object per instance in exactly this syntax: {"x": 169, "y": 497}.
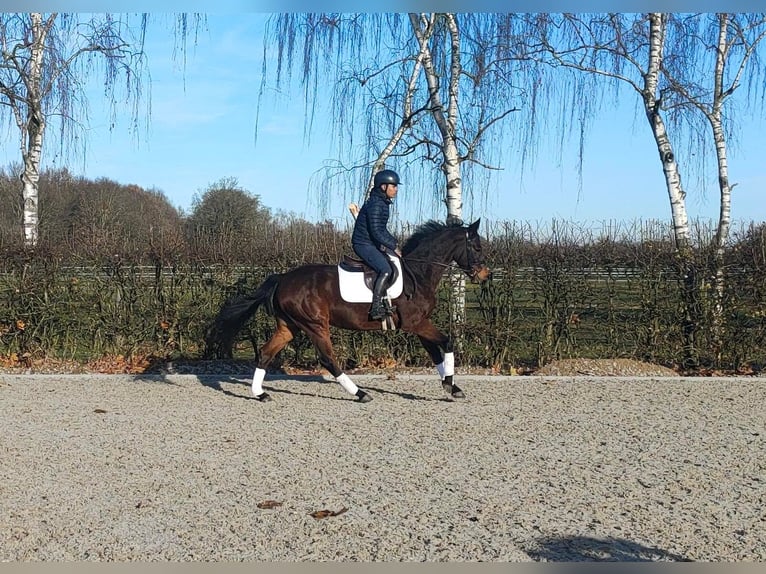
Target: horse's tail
{"x": 219, "y": 338}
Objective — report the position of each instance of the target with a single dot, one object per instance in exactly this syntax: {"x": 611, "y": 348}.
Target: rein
{"x": 468, "y": 272}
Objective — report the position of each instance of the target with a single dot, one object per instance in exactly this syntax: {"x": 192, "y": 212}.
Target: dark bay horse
{"x": 308, "y": 299}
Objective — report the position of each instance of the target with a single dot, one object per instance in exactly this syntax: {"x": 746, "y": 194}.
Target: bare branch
{"x": 482, "y": 128}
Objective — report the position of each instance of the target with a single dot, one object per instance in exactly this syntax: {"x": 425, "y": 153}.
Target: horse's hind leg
{"x": 320, "y": 336}
{"x": 434, "y": 341}
{"x": 283, "y": 335}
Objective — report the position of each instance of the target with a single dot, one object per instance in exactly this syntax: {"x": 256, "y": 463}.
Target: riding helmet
{"x": 386, "y": 176}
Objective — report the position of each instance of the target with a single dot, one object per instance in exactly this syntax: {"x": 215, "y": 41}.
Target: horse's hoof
{"x": 453, "y": 391}
{"x": 263, "y": 398}
{"x": 362, "y": 397}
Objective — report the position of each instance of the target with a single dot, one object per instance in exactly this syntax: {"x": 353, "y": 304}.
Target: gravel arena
{"x": 524, "y": 469}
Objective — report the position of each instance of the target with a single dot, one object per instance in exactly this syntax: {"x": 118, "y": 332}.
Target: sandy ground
{"x": 190, "y": 468}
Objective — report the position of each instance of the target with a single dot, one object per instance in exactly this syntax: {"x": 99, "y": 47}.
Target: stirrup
{"x": 388, "y": 308}
{"x": 377, "y": 313}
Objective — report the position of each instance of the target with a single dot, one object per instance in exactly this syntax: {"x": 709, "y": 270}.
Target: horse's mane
{"x": 425, "y": 231}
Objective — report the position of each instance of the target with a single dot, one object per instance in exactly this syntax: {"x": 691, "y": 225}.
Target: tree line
{"x": 88, "y": 220}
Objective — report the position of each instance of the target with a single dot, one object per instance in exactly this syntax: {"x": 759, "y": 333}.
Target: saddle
{"x": 356, "y": 280}
{"x": 354, "y": 264}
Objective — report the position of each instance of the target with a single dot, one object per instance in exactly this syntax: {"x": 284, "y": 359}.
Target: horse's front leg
{"x": 439, "y": 347}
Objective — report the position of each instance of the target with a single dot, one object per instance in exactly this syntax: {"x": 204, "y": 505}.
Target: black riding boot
{"x": 377, "y": 310}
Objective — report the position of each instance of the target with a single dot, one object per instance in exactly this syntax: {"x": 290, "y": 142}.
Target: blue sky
{"x": 202, "y": 129}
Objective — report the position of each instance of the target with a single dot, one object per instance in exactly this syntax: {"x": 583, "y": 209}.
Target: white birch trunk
{"x": 724, "y": 217}
{"x": 451, "y": 166}
{"x": 719, "y": 138}
{"x": 445, "y": 117}
{"x": 446, "y": 121}
{"x": 33, "y": 132}
{"x": 676, "y": 193}
{"x": 30, "y": 179}
{"x": 722, "y": 234}
{"x": 670, "y": 170}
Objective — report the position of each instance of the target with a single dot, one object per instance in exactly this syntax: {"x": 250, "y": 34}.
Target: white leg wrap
{"x": 347, "y": 384}
{"x": 258, "y": 382}
{"x": 447, "y": 367}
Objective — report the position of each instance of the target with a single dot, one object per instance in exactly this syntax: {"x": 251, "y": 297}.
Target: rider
{"x": 371, "y": 238}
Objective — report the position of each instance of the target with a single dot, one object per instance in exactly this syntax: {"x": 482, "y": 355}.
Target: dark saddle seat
{"x": 354, "y": 264}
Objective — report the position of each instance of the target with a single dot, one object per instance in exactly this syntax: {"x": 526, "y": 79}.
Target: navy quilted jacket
{"x": 372, "y": 221}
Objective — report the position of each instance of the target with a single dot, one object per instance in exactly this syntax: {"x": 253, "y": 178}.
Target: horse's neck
{"x": 432, "y": 266}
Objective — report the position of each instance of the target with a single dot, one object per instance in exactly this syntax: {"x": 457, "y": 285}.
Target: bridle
{"x": 474, "y": 264}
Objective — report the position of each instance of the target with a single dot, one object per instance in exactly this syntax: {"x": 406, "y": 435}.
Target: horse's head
{"x": 441, "y": 243}
{"x": 470, "y": 259}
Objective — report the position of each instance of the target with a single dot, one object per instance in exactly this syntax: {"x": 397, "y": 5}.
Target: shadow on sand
{"x": 216, "y": 382}
{"x": 587, "y": 549}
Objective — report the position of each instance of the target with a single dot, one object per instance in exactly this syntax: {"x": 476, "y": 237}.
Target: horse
{"x": 308, "y": 298}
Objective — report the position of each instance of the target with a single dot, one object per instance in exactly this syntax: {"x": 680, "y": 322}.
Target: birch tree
{"x": 733, "y": 40}
{"x": 629, "y": 50}
{"x": 428, "y": 90}
{"x": 47, "y": 59}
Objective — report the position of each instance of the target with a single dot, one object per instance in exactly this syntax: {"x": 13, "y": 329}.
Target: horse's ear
{"x": 474, "y": 227}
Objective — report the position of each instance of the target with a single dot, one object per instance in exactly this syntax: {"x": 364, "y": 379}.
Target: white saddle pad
{"x": 353, "y": 289}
